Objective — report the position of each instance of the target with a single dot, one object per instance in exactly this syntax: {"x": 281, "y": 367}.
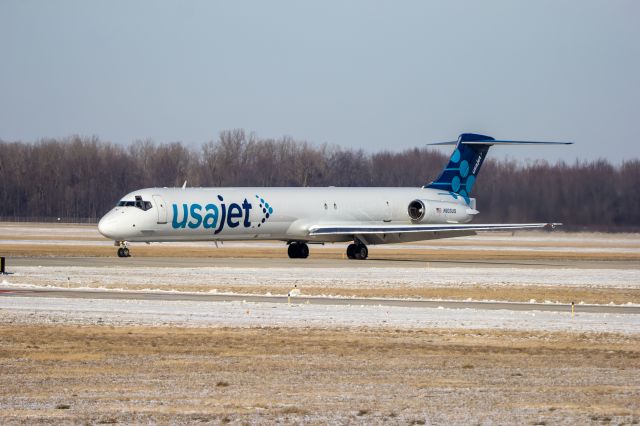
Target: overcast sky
{"x": 366, "y": 74}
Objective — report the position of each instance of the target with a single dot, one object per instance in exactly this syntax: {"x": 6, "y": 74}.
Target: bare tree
{"x": 82, "y": 177}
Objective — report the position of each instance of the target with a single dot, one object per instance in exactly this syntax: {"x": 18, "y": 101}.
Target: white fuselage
{"x": 213, "y": 214}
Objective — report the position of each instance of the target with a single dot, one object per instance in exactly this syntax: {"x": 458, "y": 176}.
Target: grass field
{"x": 175, "y": 375}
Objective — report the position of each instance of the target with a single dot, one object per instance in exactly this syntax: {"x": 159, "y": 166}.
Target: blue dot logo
{"x": 464, "y": 168}
{"x": 455, "y": 157}
{"x": 455, "y": 183}
{"x": 470, "y": 181}
{"x": 265, "y": 209}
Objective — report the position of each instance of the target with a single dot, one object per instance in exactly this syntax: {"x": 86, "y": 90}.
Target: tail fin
{"x": 461, "y": 172}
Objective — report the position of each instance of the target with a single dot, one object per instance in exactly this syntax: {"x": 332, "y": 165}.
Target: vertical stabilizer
{"x": 464, "y": 165}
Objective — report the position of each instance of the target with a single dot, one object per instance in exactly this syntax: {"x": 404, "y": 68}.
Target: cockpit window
{"x": 139, "y": 203}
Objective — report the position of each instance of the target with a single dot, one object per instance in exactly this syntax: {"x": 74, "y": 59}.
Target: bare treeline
{"x": 81, "y": 177}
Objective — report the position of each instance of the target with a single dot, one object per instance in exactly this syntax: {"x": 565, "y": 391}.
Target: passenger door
{"x": 162, "y": 209}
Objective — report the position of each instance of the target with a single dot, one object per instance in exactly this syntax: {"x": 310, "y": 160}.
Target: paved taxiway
{"x": 407, "y": 303}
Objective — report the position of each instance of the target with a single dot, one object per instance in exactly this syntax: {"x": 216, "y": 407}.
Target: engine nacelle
{"x": 432, "y": 211}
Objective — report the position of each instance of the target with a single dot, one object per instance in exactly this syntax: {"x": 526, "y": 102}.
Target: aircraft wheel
{"x": 298, "y": 251}
{"x": 303, "y": 251}
{"x": 351, "y": 251}
{"x": 361, "y": 252}
{"x": 120, "y": 252}
{"x": 125, "y": 252}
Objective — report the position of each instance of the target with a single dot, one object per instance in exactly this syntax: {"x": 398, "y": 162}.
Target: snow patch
{"x": 374, "y": 278}
{"x": 244, "y": 314}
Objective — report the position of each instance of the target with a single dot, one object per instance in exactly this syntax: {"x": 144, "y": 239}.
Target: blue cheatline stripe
{"x": 453, "y": 169}
{"x": 418, "y": 229}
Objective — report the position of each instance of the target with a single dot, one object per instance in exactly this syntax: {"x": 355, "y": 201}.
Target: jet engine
{"x": 434, "y": 211}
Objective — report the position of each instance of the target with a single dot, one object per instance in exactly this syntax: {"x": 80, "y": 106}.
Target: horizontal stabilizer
{"x": 461, "y": 173}
{"x": 501, "y": 142}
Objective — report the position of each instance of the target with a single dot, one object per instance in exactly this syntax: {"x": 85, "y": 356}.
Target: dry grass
{"x": 45, "y": 237}
{"x": 378, "y": 252}
{"x": 504, "y": 293}
{"x": 511, "y": 293}
{"x": 145, "y": 375}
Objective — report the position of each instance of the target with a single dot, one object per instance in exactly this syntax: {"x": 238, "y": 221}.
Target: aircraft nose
{"x": 107, "y": 226}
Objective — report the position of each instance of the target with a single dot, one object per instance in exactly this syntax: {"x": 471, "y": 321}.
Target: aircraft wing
{"x": 378, "y": 229}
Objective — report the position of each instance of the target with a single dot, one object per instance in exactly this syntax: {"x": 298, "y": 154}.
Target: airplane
{"x": 303, "y": 216}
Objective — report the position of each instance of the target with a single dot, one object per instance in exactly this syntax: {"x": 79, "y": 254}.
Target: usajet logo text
{"x": 212, "y": 215}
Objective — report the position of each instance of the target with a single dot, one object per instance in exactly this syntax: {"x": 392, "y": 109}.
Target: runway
{"x": 333, "y": 301}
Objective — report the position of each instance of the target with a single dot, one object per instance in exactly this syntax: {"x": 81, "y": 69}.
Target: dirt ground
{"x": 101, "y": 375}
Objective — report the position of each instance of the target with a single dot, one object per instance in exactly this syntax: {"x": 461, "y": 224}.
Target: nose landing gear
{"x": 357, "y": 251}
{"x": 123, "y": 251}
{"x": 298, "y": 250}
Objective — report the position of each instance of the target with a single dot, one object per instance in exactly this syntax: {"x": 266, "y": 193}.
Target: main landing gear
{"x": 357, "y": 251}
{"x": 298, "y": 250}
{"x": 123, "y": 251}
